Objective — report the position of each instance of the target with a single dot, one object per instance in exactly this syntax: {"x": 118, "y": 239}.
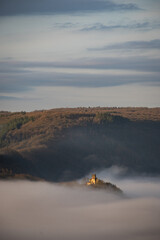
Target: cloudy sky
{"x": 69, "y": 53}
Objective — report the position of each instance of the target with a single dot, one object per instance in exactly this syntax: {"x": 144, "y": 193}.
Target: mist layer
{"x": 47, "y": 211}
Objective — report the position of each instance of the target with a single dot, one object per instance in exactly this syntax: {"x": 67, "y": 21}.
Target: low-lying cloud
{"x": 48, "y": 211}
{"x": 133, "y": 186}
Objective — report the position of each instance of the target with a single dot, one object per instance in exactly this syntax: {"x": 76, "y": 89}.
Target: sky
{"x": 79, "y": 53}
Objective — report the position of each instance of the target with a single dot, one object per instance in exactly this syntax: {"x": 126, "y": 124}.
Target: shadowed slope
{"x": 66, "y": 144}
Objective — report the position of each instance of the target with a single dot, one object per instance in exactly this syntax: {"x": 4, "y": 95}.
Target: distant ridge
{"x": 66, "y": 144}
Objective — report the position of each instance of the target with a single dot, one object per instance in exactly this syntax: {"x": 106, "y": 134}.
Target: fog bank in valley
{"x": 40, "y": 210}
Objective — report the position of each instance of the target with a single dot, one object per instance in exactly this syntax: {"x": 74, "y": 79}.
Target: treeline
{"x": 105, "y": 117}
{"x": 15, "y": 123}
{"x": 52, "y": 125}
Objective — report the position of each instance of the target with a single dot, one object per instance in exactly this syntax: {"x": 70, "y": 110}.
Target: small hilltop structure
{"x": 94, "y": 180}
{"x": 100, "y": 184}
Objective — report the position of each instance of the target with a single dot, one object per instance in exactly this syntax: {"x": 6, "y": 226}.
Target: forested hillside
{"x": 66, "y": 144}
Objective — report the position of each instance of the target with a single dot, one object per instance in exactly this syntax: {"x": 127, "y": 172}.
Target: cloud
{"x": 10, "y": 7}
{"x": 141, "y": 26}
{"x": 131, "y": 45}
{"x": 65, "y": 25}
{"x": 132, "y": 184}
{"x": 44, "y": 74}
{"x": 47, "y": 211}
{"x": 102, "y": 27}
{"x": 98, "y": 26}
{"x": 18, "y": 83}
{"x": 111, "y": 63}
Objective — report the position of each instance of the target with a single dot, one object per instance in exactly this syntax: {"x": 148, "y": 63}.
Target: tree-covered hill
{"x": 66, "y": 144}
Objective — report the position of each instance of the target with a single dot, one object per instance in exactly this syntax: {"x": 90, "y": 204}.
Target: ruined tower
{"x": 92, "y": 180}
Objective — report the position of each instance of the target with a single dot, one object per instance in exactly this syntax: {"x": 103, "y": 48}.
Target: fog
{"x": 40, "y": 210}
{"x": 134, "y": 185}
